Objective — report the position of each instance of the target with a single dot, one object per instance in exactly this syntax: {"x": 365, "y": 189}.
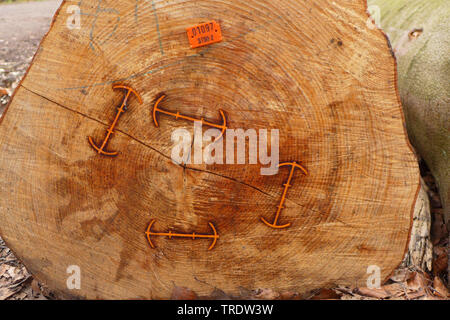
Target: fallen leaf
{"x": 21, "y": 296}
{"x": 374, "y": 293}
{"x": 3, "y": 268}
{"x": 400, "y": 275}
{"x": 12, "y": 271}
{"x": 5, "y": 293}
{"x": 395, "y": 289}
{"x": 327, "y": 294}
{"x": 182, "y": 293}
{"x": 441, "y": 289}
{"x": 288, "y": 295}
{"x": 416, "y": 295}
{"x": 35, "y": 287}
{"x": 267, "y": 294}
{"x": 417, "y": 281}
{"x": 345, "y": 290}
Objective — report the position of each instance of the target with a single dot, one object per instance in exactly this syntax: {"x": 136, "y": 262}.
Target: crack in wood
{"x": 185, "y": 167}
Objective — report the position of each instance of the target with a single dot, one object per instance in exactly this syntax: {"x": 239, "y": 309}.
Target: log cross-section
{"x": 315, "y": 70}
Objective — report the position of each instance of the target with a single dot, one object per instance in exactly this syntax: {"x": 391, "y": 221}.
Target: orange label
{"x": 204, "y": 34}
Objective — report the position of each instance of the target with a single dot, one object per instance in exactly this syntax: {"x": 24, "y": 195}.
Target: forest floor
{"x": 22, "y": 26}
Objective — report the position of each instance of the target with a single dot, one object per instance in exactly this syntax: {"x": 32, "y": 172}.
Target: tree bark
{"x": 420, "y": 251}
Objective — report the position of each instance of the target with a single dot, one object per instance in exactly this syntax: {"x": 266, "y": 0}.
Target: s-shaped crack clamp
{"x": 110, "y": 131}
{"x": 193, "y": 235}
{"x": 283, "y": 197}
{"x": 177, "y": 116}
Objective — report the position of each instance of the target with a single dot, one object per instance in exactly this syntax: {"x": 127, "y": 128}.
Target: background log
{"x": 420, "y": 35}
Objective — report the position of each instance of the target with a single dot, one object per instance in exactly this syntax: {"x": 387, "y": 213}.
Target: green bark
{"x": 419, "y": 31}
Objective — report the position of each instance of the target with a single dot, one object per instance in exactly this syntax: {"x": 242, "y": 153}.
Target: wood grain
{"x": 312, "y": 69}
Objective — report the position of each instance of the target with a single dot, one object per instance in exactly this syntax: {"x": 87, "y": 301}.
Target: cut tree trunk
{"x": 314, "y": 70}
{"x": 420, "y": 34}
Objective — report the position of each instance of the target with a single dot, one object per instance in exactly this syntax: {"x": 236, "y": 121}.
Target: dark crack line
{"x": 98, "y": 121}
{"x": 261, "y": 191}
{"x": 185, "y": 167}
{"x": 232, "y": 179}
